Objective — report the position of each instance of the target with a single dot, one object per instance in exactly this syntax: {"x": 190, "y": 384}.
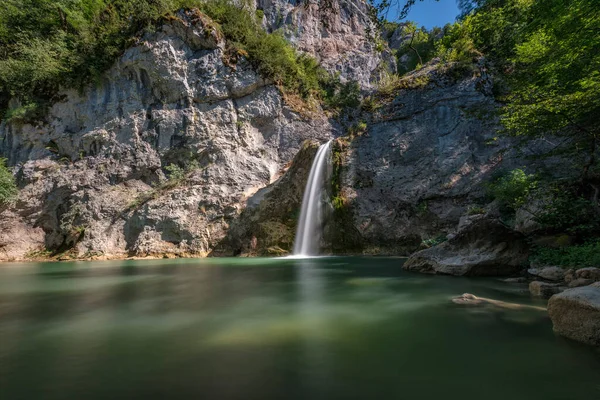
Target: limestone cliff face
{"x": 96, "y": 178}
{"x": 338, "y": 33}
{"x": 420, "y": 170}
{"x": 93, "y": 176}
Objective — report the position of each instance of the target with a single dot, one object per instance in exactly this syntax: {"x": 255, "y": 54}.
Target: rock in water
{"x": 556, "y": 274}
{"x": 588, "y": 273}
{"x": 543, "y": 289}
{"x": 575, "y": 313}
{"x": 472, "y": 300}
{"x": 484, "y": 248}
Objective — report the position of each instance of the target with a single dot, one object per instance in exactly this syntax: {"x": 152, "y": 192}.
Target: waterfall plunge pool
{"x": 319, "y": 328}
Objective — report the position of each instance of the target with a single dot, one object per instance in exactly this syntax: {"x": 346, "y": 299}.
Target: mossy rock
{"x": 275, "y": 234}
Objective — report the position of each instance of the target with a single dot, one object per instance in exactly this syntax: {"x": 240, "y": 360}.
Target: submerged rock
{"x": 575, "y": 313}
{"x": 544, "y": 289}
{"x": 485, "y": 248}
{"x": 514, "y": 280}
{"x": 472, "y": 300}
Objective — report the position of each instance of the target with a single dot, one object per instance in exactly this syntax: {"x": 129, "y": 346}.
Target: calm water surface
{"x": 328, "y": 328}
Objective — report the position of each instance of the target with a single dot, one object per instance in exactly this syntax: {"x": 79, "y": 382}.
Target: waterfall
{"x": 308, "y": 234}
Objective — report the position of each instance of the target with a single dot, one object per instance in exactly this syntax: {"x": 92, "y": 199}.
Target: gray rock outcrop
{"x": 590, "y": 273}
{"x": 267, "y": 225}
{"x": 555, "y": 274}
{"x": 94, "y": 177}
{"x": 484, "y": 248}
{"x": 335, "y": 32}
{"x": 575, "y": 313}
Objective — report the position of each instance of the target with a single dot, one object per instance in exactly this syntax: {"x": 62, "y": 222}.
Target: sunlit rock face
{"x": 340, "y": 34}
{"x": 92, "y": 176}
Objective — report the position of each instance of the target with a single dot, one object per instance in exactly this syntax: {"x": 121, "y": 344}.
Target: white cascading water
{"x": 308, "y": 234}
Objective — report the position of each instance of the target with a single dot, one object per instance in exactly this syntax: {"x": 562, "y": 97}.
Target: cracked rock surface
{"x": 93, "y": 176}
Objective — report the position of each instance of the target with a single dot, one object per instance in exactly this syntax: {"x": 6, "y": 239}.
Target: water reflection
{"x": 311, "y": 308}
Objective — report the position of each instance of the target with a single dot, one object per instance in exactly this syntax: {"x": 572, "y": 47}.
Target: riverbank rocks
{"x": 588, "y": 273}
{"x": 575, "y": 313}
{"x": 555, "y": 274}
{"x": 544, "y": 289}
{"x": 484, "y": 248}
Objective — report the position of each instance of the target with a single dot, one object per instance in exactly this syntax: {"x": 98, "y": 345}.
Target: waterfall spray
{"x": 308, "y": 234}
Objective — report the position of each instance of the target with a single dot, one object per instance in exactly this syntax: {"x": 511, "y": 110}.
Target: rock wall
{"x": 93, "y": 177}
{"x": 338, "y": 33}
{"x": 418, "y": 173}
{"x": 97, "y": 179}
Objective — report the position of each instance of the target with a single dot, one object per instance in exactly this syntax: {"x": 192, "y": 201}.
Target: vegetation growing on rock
{"x": 47, "y": 45}
{"x": 8, "y": 188}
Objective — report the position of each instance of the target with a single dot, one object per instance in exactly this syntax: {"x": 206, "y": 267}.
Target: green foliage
{"x": 339, "y": 96}
{"x": 427, "y": 243}
{"x": 175, "y": 172}
{"x": 8, "y": 187}
{"x": 391, "y": 84}
{"x": 357, "y": 129}
{"x": 475, "y": 210}
{"x": 513, "y": 188}
{"x": 556, "y": 83}
{"x": 176, "y": 177}
{"x": 47, "y": 44}
{"x": 270, "y": 53}
{"x": 419, "y": 49}
{"x": 568, "y": 211}
{"x": 580, "y": 256}
{"x": 549, "y": 54}
{"x": 456, "y": 45}
{"x": 68, "y": 219}
{"x": 27, "y": 112}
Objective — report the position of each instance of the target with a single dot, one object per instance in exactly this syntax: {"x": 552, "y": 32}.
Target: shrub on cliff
{"x": 513, "y": 188}
{"x": 8, "y": 188}
{"x": 48, "y": 44}
{"x": 270, "y": 53}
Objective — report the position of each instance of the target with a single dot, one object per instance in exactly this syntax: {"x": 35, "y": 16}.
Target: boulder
{"x": 580, "y": 282}
{"x": 543, "y": 289}
{"x": 588, "y": 273}
{"x": 569, "y": 275}
{"x": 484, "y": 248}
{"x": 555, "y": 274}
{"x": 575, "y": 313}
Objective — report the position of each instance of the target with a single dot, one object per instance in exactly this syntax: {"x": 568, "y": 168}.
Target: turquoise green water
{"x": 329, "y": 328}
